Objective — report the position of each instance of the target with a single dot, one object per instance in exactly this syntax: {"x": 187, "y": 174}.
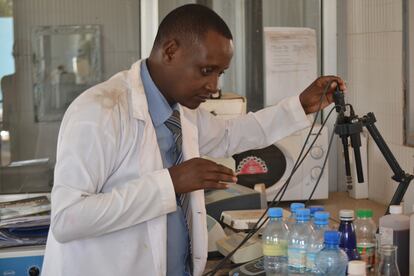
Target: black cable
{"x": 284, "y": 186}
{"x": 327, "y": 154}
{"x": 324, "y": 162}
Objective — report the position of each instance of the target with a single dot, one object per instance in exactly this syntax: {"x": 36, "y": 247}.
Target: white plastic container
{"x": 395, "y": 229}
{"x": 357, "y": 268}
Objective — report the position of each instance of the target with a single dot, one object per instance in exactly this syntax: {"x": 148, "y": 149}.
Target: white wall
{"x": 119, "y": 21}
{"x": 374, "y": 72}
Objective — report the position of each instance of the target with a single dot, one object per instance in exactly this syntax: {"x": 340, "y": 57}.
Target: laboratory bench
{"x": 335, "y": 202}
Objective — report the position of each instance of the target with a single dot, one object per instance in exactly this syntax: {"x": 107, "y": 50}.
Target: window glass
{"x": 6, "y": 69}
{"x": 55, "y": 57}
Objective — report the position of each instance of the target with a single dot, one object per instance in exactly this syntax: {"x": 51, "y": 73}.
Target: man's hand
{"x": 199, "y": 173}
{"x": 311, "y": 96}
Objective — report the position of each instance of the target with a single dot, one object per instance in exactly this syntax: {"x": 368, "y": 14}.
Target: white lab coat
{"x": 111, "y": 193}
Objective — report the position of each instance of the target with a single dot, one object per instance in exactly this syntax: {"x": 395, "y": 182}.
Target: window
{"x": 6, "y": 70}
{"x": 29, "y": 127}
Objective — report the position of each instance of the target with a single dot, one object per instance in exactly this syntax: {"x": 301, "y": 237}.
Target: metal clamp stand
{"x": 351, "y": 126}
{"x": 399, "y": 174}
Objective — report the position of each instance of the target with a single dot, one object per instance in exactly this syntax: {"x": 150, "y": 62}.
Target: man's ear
{"x": 169, "y": 49}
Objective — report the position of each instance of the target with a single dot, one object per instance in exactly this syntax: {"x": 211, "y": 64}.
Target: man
{"x": 128, "y": 195}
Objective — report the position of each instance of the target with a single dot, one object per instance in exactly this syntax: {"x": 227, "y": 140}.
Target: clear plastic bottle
{"x": 348, "y": 236}
{"x": 331, "y": 260}
{"x": 292, "y": 218}
{"x": 316, "y": 240}
{"x": 365, "y": 230}
{"x": 315, "y": 208}
{"x": 395, "y": 230}
{"x": 298, "y": 242}
{"x": 388, "y": 263}
{"x": 274, "y": 242}
{"x": 357, "y": 268}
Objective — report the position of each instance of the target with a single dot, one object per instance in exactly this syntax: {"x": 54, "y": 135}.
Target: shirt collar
{"x": 158, "y": 106}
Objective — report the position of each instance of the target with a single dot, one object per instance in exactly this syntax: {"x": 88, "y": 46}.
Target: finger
{"x": 218, "y": 168}
{"x": 335, "y": 81}
{"x": 329, "y": 98}
{"x": 213, "y": 185}
{"x": 343, "y": 86}
{"x": 223, "y": 169}
{"x": 217, "y": 176}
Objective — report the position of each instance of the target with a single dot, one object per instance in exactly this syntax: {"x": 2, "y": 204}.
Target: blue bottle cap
{"x": 275, "y": 212}
{"x": 302, "y": 214}
{"x": 332, "y": 237}
{"x": 321, "y": 218}
{"x": 296, "y": 205}
{"x": 316, "y": 208}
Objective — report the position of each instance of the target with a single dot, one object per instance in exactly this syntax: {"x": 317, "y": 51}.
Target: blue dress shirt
{"x": 177, "y": 232}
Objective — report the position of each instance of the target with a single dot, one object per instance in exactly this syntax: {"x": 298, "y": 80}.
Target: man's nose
{"x": 212, "y": 84}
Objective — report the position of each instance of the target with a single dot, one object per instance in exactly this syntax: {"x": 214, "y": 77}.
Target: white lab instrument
{"x": 304, "y": 179}
{"x": 231, "y": 105}
{"x": 215, "y": 233}
{"x": 244, "y": 220}
{"x": 236, "y": 197}
{"x": 251, "y": 250}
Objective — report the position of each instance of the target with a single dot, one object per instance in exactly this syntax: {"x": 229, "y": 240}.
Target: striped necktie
{"x": 174, "y": 125}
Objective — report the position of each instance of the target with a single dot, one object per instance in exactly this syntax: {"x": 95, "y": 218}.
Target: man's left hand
{"x": 310, "y": 98}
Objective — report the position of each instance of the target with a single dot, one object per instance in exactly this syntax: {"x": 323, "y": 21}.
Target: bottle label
{"x": 297, "y": 257}
{"x": 387, "y": 235}
{"x": 367, "y": 252}
{"x": 275, "y": 249}
{"x": 310, "y": 260}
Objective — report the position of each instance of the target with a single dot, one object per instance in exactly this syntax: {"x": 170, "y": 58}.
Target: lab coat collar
{"x": 140, "y": 103}
{"x": 139, "y": 100}
{"x": 158, "y": 106}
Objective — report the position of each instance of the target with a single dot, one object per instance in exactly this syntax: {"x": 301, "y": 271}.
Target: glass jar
{"x": 388, "y": 261}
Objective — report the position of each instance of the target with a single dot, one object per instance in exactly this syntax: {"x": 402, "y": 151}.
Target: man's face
{"x": 194, "y": 71}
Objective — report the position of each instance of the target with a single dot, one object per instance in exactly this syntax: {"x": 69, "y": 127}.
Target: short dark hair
{"x": 190, "y": 22}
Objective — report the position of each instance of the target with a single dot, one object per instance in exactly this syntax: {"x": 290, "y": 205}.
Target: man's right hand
{"x": 199, "y": 173}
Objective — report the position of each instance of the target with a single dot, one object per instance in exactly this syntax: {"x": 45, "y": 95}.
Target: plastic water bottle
{"x": 357, "y": 268}
{"x": 395, "y": 230}
{"x": 365, "y": 230}
{"x": 298, "y": 242}
{"x": 292, "y": 218}
{"x": 331, "y": 260}
{"x": 274, "y": 242}
{"x": 348, "y": 236}
{"x": 313, "y": 209}
{"x": 316, "y": 240}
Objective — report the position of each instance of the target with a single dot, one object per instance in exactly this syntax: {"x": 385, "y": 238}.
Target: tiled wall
{"x": 374, "y": 74}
